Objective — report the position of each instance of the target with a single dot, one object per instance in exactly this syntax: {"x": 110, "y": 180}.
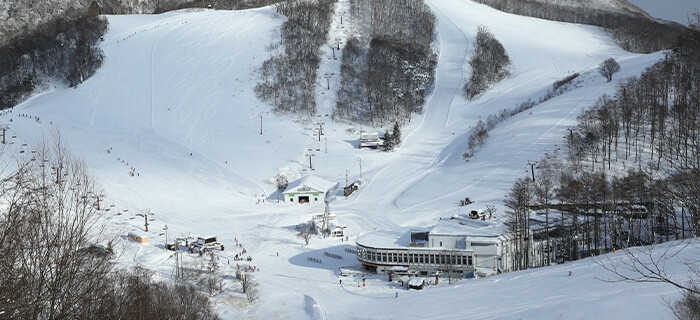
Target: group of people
{"x": 24, "y": 115}
{"x": 247, "y": 268}
{"x": 132, "y": 170}
{"x": 239, "y": 257}
{"x": 243, "y": 251}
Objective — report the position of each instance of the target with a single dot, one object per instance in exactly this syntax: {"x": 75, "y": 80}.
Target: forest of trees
{"x": 489, "y": 63}
{"x": 389, "y": 67}
{"x": 289, "y": 78}
{"x": 160, "y": 6}
{"x": 629, "y": 171}
{"x": 66, "y": 49}
{"x": 633, "y": 32}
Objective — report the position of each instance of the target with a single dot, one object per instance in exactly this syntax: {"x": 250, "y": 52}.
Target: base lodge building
{"x": 461, "y": 247}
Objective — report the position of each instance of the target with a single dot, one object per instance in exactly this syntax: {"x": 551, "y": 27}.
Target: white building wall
{"x": 446, "y": 241}
{"x": 314, "y": 197}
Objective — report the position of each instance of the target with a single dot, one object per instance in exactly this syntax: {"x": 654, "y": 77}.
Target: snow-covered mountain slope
{"x": 174, "y": 103}
{"x": 542, "y": 52}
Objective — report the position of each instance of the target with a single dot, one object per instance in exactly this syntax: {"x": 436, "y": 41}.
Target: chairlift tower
{"x": 145, "y": 215}
{"x": 4, "y": 128}
{"x": 310, "y": 153}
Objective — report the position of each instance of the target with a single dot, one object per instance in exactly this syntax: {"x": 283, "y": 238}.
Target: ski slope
{"x": 174, "y": 103}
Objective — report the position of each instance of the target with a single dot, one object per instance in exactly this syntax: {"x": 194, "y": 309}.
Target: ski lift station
{"x": 309, "y": 189}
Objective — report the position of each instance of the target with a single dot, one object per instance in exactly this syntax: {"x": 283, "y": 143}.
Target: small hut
{"x": 138, "y": 237}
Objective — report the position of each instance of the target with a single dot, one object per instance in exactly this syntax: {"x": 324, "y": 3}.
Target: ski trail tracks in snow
{"x": 416, "y": 155}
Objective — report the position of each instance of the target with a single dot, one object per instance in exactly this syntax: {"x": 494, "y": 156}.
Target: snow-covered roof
{"x": 313, "y": 183}
{"x": 469, "y": 228}
{"x": 387, "y": 239}
{"x": 473, "y": 230}
{"x": 369, "y": 136}
{"x": 138, "y": 233}
{"x": 416, "y": 281}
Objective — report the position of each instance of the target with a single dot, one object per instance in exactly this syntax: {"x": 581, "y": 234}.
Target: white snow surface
{"x": 174, "y": 101}
{"x": 672, "y": 10}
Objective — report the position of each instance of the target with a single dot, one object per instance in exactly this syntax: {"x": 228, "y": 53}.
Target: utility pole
{"x": 58, "y": 173}
{"x": 178, "y": 262}
{"x": 166, "y": 235}
{"x": 359, "y": 160}
{"x": 261, "y": 125}
{"x": 326, "y": 220}
{"x": 532, "y": 165}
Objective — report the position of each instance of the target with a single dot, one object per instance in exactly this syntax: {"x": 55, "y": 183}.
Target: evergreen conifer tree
{"x": 388, "y": 141}
{"x": 396, "y": 135}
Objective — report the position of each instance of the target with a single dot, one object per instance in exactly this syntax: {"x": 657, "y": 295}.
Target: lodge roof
{"x": 310, "y": 182}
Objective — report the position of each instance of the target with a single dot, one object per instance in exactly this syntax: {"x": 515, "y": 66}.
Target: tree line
{"x": 388, "y": 67}
{"x": 628, "y": 174}
{"x": 66, "y": 48}
{"x": 288, "y": 78}
{"x": 479, "y": 133}
{"x": 160, "y": 6}
{"x": 632, "y": 31}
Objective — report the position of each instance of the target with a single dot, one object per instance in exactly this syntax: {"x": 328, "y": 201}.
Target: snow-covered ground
{"x": 174, "y": 103}
{"x": 672, "y": 10}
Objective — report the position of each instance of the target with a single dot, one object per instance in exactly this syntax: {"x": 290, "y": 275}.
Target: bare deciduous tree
{"x": 518, "y": 201}
{"x": 608, "y": 68}
{"x": 250, "y": 286}
{"x": 53, "y": 266}
{"x": 48, "y": 221}
{"x": 305, "y": 235}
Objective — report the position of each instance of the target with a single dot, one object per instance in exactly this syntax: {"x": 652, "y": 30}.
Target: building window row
{"x": 457, "y": 259}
